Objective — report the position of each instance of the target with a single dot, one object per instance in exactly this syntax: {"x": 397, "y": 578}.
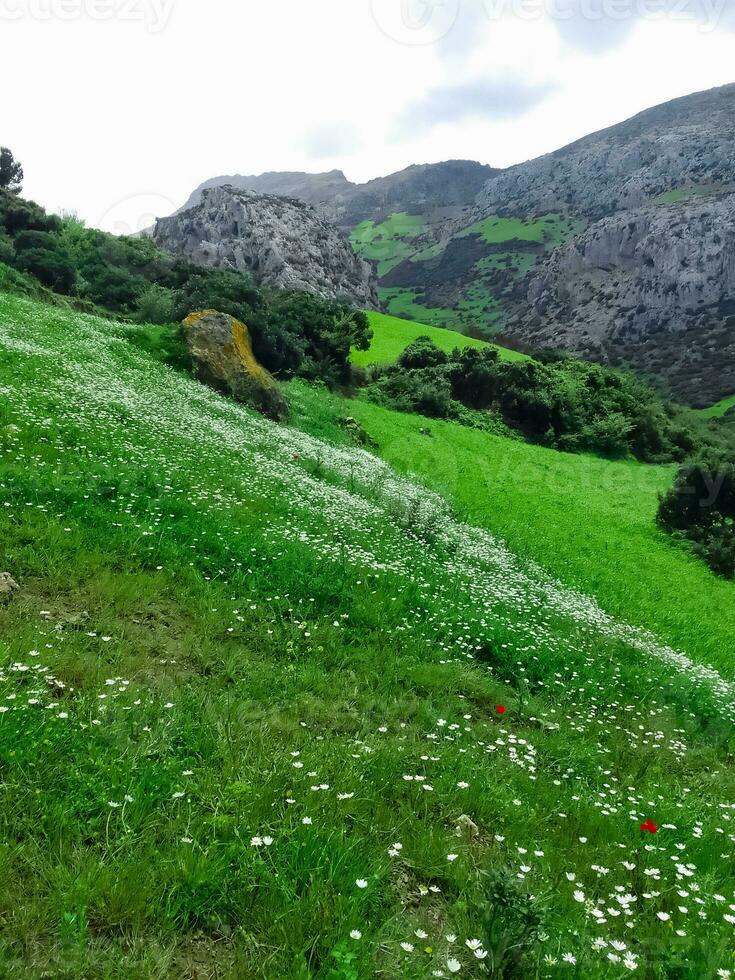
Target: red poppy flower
{"x": 500, "y": 708}
{"x": 649, "y": 826}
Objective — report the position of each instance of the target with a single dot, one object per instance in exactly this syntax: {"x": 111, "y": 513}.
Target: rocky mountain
{"x": 687, "y": 142}
{"x": 616, "y": 247}
{"x": 650, "y": 283}
{"x": 280, "y": 241}
{"x": 653, "y": 287}
{"x": 419, "y": 189}
{"x": 314, "y": 189}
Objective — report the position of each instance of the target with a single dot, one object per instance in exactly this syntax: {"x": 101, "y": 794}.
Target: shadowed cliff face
{"x": 654, "y": 288}
{"x": 280, "y": 242}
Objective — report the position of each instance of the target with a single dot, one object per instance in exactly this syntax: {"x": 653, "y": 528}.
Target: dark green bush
{"x": 422, "y": 353}
{"x": 7, "y": 250}
{"x": 155, "y": 305}
{"x": 472, "y": 374}
{"x": 423, "y": 392}
{"x": 42, "y": 254}
{"x": 700, "y": 508}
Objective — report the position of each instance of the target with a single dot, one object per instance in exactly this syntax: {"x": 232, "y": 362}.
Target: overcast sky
{"x": 119, "y": 108}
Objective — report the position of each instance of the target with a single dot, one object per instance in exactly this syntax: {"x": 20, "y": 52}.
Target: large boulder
{"x": 222, "y": 352}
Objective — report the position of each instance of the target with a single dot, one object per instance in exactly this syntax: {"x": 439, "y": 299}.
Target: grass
{"x": 719, "y": 410}
{"x": 251, "y": 689}
{"x": 687, "y": 193}
{"x": 401, "y": 303}
{"x": 589, "y": 521}
{"x": 392, "y": 335}
{"x": 389, "y": 242}
{"x": 474, "y": 310}
{"x": 550, "y": 229}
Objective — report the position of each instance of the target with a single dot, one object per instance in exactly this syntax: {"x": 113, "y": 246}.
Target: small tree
{"x": 422, "y": 353}
{"x": 11, "y": 172}
{"x": 155, "y": 305}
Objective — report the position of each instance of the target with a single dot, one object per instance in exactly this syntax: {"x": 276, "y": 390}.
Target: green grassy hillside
{"x": 719, "y": 410}
{"x": 391, "y": 336}
{"x": 390, "y": 242}
{"x": 462, "y": 278}
{"x": 268, "y": 708}
{"x": 587, "y": 520}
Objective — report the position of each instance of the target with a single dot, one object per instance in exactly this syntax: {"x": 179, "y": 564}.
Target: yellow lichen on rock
{"x": 222, "y": 351}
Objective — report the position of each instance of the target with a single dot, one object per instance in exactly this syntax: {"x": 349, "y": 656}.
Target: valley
{"x": 541, "y": 253}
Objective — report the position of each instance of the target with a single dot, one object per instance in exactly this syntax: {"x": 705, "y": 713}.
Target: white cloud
{"x": 489, "y": 99}
{"x": 122, "y": 117}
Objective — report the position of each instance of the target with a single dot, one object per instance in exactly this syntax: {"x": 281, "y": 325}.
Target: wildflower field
{"x": 273, "y": 706}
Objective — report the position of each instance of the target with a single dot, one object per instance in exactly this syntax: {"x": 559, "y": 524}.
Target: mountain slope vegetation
{"x": 614, "y": 248}
{"x": 271, "y": 708}
{"x": 391, "y": 336}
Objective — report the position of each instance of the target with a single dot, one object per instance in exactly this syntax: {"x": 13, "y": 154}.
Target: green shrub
{"x": 700, "y": 508}
{"x": 422, "y": 353}
{"x": 50, "y": 267}
{"x": 472, "y": 375}
{"x": 423, "y": 392}
{"x": 608, "y": 434}
{"x": 7, "y": 251}
{"x": 155, "y": 305}
{"x": 559, "y": 402}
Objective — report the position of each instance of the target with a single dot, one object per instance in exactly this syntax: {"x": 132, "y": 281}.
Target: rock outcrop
{"x": 653, "y": 288}
{"x": 222, "y": 352}
{"x": 687, "y": 142}
{"x": 279, "y": 241}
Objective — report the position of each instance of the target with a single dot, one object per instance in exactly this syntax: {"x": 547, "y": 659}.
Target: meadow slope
{"x": 589, "y": 521}
{"x": 391, "y": 336}
{"x": 269, "y": 708}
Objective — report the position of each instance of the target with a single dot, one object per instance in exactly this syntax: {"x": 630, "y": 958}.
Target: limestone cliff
{"x": 279, "y": 241}
{"x": 654, "y": 288}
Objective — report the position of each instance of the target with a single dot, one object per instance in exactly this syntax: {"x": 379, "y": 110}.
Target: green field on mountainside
{"x": 719, "y": 410}
{"x": 466, "y": 280}
{"x": 389, "y": 242}
{"x": 587, "y": 520}
{"x": 687, "y": 193}
{"x": 269, "y": 708}
{"x": 391, "y": 336}
{"x": 550, "y": 229}
{"x": 402, "y": 303}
